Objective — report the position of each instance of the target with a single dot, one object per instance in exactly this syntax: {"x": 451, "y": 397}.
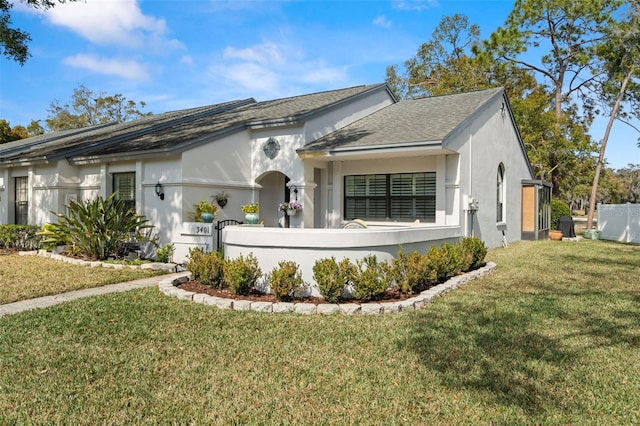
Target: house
{"x": 415, "y": 172}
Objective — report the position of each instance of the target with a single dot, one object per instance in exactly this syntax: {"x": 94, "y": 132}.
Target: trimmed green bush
{"x": 332, "y": 277}
{"x": 20, "y": 237}
{"x": 371, "y": 278}
{"x": 285, "y": 279}
{"x": 411, "y": 272}
{"x": 438, "y": 263}
{"x": 206, "y": 268}
{"x": 558, "y": 209}
{"x": 477, "y": 249}
{"x": 242, "y": 273}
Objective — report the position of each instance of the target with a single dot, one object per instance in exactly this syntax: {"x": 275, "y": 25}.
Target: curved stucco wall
{"x": 306, "y": 246}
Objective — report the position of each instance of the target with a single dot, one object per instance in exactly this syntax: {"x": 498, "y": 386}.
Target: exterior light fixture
{"x": 159, "y": 191}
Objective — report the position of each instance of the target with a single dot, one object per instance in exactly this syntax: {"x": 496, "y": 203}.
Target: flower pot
{"x": 555, "y": 235}
{"x": 207, "y": 217}
{"x": 251, "y": 218}
{"x": 291, "y": 212}
{"x": 222, "y": 202}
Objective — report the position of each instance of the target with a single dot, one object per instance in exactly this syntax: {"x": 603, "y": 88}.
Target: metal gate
{"x": 220, "y": 226}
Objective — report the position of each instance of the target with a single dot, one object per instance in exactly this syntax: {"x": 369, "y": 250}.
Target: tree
{"x": 9, "y": 134}
{"x": 444, "y": 64}
{"x": 570, "y": 30}
{"x": 13, "y": 41}
{"x": 620, "y": 54}
{"x": 455, "y": 61}
{"x": 89, "y": 108}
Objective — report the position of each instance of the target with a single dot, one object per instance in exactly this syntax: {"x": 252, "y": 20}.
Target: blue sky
{"x": 176, "y": 54}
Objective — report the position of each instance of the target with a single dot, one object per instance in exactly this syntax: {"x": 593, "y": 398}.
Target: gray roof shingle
{"x": 406, "y": 122}
{"x": 177, "y": 130}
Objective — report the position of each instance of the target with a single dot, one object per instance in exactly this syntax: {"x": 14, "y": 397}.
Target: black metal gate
{"x": 220, "y": 226}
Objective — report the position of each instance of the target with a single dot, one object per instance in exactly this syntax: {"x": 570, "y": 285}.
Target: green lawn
{"x": 26, "y": 277}
{"x": 551, "y": 337}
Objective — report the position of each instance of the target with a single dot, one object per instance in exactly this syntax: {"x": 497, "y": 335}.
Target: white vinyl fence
{"x": 619, "y": 222}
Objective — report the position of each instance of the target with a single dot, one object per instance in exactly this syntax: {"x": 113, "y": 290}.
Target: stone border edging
{"x": 168, "y": 287}
{"x": 168, "y": 267}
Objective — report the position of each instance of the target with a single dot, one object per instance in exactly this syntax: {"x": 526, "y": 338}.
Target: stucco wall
{"x": 483, "y": 145}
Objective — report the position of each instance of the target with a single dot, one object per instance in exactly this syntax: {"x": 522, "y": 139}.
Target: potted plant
{"x": 205, "y": 211}
{"x": 222, "y": 198}
{"x": 251, "y": 213}
{"x": 290, "y": 208}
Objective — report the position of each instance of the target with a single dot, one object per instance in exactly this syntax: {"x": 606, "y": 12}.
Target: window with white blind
{"x": 21, "y": 200}
{"x": 124, "y": 185}
{"x": 399, "y": 196}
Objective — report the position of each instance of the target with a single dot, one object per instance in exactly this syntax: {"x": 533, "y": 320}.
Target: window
{"x": 400, "y": 196}
{"x": 500, "y": 194}
{"x": 22, "y": 200}
{"x": 124, "y": 185}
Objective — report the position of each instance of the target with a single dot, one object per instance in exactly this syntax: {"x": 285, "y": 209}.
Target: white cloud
{"x": 414, "y": 4}
{"x": 109, "y": 22}
{"x": 187, "y": 60}
{"x": 265, "y": 53}
{"x": 272, "y": 70}
{"x": 382, "y": 21}
{"x": 125, "y": 68}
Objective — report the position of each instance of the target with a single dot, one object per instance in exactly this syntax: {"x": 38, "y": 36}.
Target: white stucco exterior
{"x": 465, "y": 164}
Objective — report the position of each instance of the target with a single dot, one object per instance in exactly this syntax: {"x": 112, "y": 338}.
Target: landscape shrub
{"x": 411, "y": 272}
{"x": 371, "y": 278}
{"x": 165, "y": 253}
{"x": 20, "y": 237}
{"x": 206, "y": 268}
{"x": 242, "y": 273}
{"x": 98, "y": 228}
{"x": 475, "y": 246}
{"x": 332, "y": 277}
{"x": 285, "y": 279}
{"x": 438, "y": 263}
{"x": 453, "y": 259}
{"x": 558, "y": 209}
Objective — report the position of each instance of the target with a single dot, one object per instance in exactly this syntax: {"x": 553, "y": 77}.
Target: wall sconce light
{"x": 502, "y": 108}
{"x": 295, "y": 192}
{"x": 159, "y": 192}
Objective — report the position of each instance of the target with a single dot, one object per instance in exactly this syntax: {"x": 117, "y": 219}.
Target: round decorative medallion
{"x": 271, "y": 148}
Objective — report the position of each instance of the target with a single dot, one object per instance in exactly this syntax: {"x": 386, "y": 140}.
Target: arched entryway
{"x": 273, "y": 191}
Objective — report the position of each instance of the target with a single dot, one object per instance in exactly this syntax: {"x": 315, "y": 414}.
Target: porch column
{"x": 303, "y": 192}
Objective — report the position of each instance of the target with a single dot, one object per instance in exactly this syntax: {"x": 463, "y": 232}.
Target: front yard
{"x": 551, "y": 337}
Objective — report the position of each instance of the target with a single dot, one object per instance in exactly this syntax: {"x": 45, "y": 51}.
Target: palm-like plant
{"x": 98, "y": 228}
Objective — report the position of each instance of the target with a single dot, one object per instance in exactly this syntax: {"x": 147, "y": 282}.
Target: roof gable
{"x": 409, "y": 122}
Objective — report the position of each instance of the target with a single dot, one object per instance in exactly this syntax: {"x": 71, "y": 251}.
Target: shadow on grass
{"x": 501, "y": 354}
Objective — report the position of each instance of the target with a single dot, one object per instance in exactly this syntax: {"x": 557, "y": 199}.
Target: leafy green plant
{"x": 477, "y": 249}
{"x": 20, "y": 237}
{"x": 285, "y": 279}
{"x": 165, "y": 253}
{"x": 242, "y": 273}
{"x": 411, "y": 272}
{"x": 332, "y": 277}
{"x": 207, "y": 268}
{"x": 437, "y": 262}
{"x": 371, "y": 278}
{"x": 98, "y": 228}
{"x": 558, "y": 209}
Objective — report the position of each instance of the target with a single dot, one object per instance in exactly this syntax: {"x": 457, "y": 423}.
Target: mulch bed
{"x": 256, "y": 296}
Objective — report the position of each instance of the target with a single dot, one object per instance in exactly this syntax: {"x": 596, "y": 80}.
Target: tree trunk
{"x": 603, "y": 147}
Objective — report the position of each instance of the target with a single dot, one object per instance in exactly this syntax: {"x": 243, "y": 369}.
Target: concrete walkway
{"x": 46, "y": 301}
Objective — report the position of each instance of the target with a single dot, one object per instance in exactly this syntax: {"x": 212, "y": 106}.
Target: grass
{"x": 552, "y": 337}
{"x": 26, "y": 277}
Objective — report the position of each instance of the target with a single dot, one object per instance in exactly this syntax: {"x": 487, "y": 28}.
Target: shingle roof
{"x": 406, "y": 122}
{"x": 178, "y": 130}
